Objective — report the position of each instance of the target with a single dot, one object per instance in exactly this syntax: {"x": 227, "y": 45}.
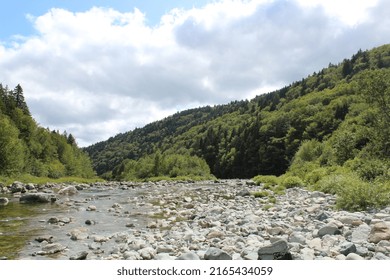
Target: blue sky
{"x": 96, "y": 68}
{"x": 14, "y": 20}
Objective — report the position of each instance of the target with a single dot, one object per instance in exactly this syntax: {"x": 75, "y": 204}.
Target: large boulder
{"x": 37, "y": 198}
{"x": 275, "y": 251}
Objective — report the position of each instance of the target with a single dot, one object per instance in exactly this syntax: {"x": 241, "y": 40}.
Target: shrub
{"x": 261, "y": 194}
{"x": 359, "y": 195}
{"x": 266, "y": 179}
{"x": 292, "y": 182}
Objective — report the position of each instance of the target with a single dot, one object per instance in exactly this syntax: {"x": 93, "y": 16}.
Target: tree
{"x": 19, "y": 99}
{"x": 375, "y": 88}
{"x": 11, "y": 148}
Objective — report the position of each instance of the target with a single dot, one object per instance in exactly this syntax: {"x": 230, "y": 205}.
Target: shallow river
{"x": 21, "y": 224}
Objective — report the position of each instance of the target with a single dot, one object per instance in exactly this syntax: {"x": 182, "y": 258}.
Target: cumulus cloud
{"x": 101, "y": 72}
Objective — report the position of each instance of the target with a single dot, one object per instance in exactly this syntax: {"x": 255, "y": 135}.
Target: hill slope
{"x": 26, "y": 148}
{"x": 339, "y": 106}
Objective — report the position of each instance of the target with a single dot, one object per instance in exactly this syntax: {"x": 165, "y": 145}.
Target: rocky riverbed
{"x": 218, "y": 220}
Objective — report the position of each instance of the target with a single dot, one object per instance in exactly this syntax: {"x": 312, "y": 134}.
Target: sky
{"x": 96, "y": 68}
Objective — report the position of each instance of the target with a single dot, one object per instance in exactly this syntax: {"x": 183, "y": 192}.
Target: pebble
{"x": 210, "y": 220}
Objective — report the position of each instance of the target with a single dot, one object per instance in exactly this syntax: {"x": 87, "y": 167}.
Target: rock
{"x": 307, "y": 254}
{"x": 51, "y": 249}
{"x": 53, "y": 220}
{"x": 328, "y": 229}
{"x": 99, "y": 238}
{"x": 3, "y": 201}
{"x": 17, "y": 187}
{"x": 91, "y": 208}
{"x": 37, "y": 198}
{"x": 216, "y": 234}
{"x": 80, "y": 256}
{"x": 296, "y": 237}
{"x": 360, "y": 234}
{"x": 147, "y": 253}
{"x": 47, "y": 238}
{"x": 216, "y": 254}
{"x": 275, "y": 251}
{"x": 79, "y": 234}
{"x": 347, "y": 247}
{"x": 188, "y": 256}
{"x": 243, "y": 193}
{"x": 90, "y": 222}
{"x": 69, "y": 190}
{"x": 353, "y": 256}
{"x": 380, "y": 231}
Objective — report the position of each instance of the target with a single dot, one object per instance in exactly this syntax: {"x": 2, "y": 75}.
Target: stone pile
{"x": 222, "y": 220}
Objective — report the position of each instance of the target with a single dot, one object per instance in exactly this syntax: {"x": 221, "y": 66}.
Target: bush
{"x": 266, "y": 179}
{"x": 261, "y": 194}
{"x": 359, "y": 195}
{"x": 292, "y": 182}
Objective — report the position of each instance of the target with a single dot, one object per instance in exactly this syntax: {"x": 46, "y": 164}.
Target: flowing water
{"x": 21, "y": 223}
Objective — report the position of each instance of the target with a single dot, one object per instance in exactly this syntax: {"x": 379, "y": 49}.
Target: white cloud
{"x": 101, "y": 72}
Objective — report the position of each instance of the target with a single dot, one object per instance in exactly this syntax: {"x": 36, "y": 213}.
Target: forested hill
{"x": 344, "y": 106}
{"x": 27, "y": 148}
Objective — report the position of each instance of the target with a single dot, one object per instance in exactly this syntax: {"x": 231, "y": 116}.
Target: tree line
{"x": 27, "y": 148}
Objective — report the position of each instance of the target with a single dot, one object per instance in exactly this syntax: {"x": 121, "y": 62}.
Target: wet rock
{"x": 79, "y": 256}
{"x": 91, "y": 208}
{"x": 69, "y": 190}
{"x": 50, "y": 249}
{"x": 17, "y": 187}
{"x": 47, "y": 238}
{"x": 38, "y": 198}
{"x": 275, "y": 251}
{"x": 216, "y": 254}
{"x": 3, "y": 201}
{"x": 79, "y": 234}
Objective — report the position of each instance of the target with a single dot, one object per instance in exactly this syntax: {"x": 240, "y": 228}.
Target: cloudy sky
{"x": 97, "y": 68}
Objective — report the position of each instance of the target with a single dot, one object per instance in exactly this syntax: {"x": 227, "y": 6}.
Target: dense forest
{"x": 27, "y": 148}
{"x": 343, "y": 107}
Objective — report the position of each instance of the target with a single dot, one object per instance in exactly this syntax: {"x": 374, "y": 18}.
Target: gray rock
{"x": 353, "y": 256}
{"x": 347, "y": 248}
{"x": 50, "y": 249}
{"x": 297, "y": 237}
{"x": 17, "y": 187}
{"x": 216, "y": 254}
{"x": 80, "y": 256}
{"x": 328, "y": 229}
{"x": 38, "y": 198}
{"x": 360, "y": 234}
{"x": 79, "y": 234}
{"x": 69, "y": 190}
{"x": 275, "y": 251}
{"x": 188, "y": 256}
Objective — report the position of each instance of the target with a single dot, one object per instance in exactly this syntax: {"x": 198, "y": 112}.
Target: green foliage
{"x": 292, "y": 182}
{"x": 268, "y": 180}
{"x": 26, "y": 148}
{"x": 160, "y": 166}
{"x": 354, "y": 194}
{"x": 329, "y": 131}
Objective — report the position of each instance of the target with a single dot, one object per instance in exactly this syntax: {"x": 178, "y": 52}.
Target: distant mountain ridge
{"x": 261, "y": 136}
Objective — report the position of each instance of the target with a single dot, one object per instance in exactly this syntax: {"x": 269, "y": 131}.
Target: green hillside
{"x": 28, "y": 149}
{"x": 345, "y": 107}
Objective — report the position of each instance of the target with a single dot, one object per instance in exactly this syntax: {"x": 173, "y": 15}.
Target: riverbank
{"x": 194, "y": 220}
